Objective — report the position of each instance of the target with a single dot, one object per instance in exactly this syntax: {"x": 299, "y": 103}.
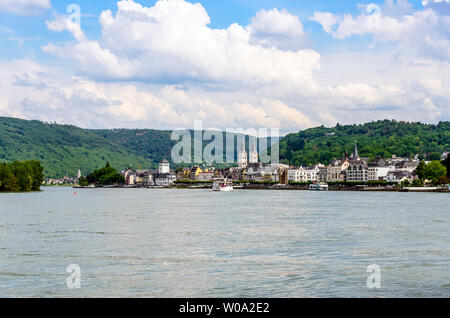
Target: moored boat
{"x": 223, "y": 185}
{"x": 318, "y": 186}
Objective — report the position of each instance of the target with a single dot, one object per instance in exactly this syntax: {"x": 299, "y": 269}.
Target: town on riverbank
{"x": 349, "y": 173}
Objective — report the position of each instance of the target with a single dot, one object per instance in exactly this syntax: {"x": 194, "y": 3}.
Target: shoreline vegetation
{"x": 21, "y": 176}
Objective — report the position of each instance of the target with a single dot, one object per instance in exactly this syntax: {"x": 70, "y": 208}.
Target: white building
{"x": 378, "y": 169}
{"x": 304, "y": 174}
{"x": 164, "y": 166}
{"x": 164, "y": 177}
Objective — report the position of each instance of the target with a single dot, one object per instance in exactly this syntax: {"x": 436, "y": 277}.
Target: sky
{"x": 234, "y": 64}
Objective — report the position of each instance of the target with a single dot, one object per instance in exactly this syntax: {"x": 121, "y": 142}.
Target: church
{"x": 243, "y": 159}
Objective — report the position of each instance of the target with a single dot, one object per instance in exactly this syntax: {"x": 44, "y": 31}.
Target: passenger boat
{"x": 223, "y": 185}
{"x": 321, "y": 186}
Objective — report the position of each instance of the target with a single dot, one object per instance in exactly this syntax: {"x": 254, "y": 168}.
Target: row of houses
{"x": 357, "y": 169}
{"x": 351, "y": 168}
{"x": 162, "y": 177}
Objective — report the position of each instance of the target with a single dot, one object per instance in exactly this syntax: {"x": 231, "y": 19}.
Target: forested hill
{"x": 61, "y": 149}
{"x": 384, "y": 138}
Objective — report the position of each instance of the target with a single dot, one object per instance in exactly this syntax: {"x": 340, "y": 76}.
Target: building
{"x": 130, "y": 176}
{"x": 195, "y": 171}
{"x": 309, "y": 174}
{"x": 164, "y": 167}
{"x": 400, "y": 176}
{"x": 406, "y": 165}
{"x": 242, "y": 156}
{"x": 164, "y": 177}
{"x": 336, "y": 170}
{"x": 357, "y": 171}
{"x": 261, "y": 173}
{"x": 322, "y": 174}
{"x": 253, "y": 157}
{"x": 205, "y": 176}
{"x": 377, "y": 169}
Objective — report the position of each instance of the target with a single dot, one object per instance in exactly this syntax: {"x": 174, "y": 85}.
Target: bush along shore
{"x": 21, "y": 176}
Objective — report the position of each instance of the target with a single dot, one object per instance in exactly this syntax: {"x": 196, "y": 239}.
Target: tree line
{"x": 381, "y": 138}
{"x": 438, "y": 172}
{"x": 21, "y": 176}
{"x": 104, "y": 176}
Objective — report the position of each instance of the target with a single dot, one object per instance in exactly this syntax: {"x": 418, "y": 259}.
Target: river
{"x": 198, "y": 243}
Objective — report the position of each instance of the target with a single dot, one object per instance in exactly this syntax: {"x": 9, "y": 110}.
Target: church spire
{"x": 253, "y": 151}
{"x": 356, "y": 154}
{"x": 242, "y": 156}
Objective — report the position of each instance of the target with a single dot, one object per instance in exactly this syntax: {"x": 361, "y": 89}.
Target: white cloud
{"x": 427, "y": 2}
{"x": 171, "y": 42}
{"x": 163, "y": 67}
{"x": 25, "y": 7}
{"x": 425, "y": 31}
{"x": 274, "y": 28}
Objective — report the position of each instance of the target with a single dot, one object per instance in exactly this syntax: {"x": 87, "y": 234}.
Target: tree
{"x": 21, "y": 176}
{"x": 23, "y": 173}
{"x": 37, "y": 174}
{"x": 420, "y": 170}
{"x": 405, "y": 183}
{"x": 8, "y": 182}
{"x": 446, "y": 163}
{"x": 105, "y": 176}
{"x": 434, "y": 171}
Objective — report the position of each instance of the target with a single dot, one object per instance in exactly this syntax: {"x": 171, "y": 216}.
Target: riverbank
{"x": 245, "y": 186}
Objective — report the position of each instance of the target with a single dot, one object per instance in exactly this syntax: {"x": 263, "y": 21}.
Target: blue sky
{"x": 33, "y": 31}
{"x": 257, "y": 63}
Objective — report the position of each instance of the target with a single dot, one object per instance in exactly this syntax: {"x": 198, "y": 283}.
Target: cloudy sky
{"x": 233, "y": 63}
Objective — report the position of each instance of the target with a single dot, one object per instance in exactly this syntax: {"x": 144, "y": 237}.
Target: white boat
{"x": 223, "y": 185}
{"x": 322, "y": 186}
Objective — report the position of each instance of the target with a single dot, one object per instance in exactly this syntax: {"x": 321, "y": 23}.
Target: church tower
{"x": 253, "y": 151}
{"x": 356, "y": 154}
{"x": 242, "y": 156}
{"x": 164, "y": 167}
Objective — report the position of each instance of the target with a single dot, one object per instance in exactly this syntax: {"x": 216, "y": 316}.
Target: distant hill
{"x": 62, "y": 148}
{"x": 384, "y": 138}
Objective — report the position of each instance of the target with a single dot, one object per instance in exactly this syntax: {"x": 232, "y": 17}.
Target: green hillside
{"x": 384, "y": 138}
{"x": 148, "y": 143}
{"x": 61, "y": 148}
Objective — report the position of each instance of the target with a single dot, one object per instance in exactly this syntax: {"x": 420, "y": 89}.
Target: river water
{"x": 197, "y": 243}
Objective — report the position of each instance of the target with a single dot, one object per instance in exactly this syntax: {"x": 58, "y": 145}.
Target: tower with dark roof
{"x": 356, "y": 154}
